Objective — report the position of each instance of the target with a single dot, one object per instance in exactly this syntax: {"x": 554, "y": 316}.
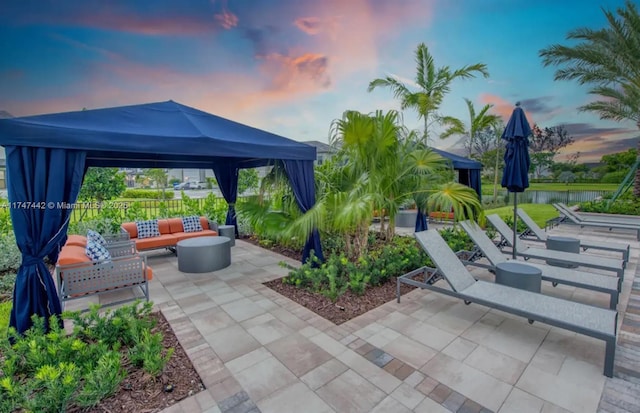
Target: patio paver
{"x": 432, "y": 351}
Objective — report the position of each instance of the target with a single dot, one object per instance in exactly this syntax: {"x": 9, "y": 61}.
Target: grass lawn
{"x": 540, "y": 213}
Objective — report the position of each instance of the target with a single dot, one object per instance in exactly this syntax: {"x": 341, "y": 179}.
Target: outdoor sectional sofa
{"x": 171, "y": 231}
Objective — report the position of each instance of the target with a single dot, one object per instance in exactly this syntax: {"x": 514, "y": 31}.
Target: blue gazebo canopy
{"x": 154, "y": 135}
{"x": 468, "y": 170}
{"x": 48, "y": 155}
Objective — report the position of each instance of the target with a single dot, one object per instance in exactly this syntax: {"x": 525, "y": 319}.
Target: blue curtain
{"x": 421, "y": 221}
{"x": 471, "y": 178}
{"x": 227, "y": 177}
{"x": 38, "y": 179}
{"x": 300, "y": 175}
{"x": 475, "y": 182}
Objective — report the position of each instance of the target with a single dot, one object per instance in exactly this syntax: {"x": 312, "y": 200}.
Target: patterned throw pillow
{"x": 96, "y": 237}
{"x": 96, "y": 251}
{"x": 148, "y": 229}
{"x": 191, "y": 224}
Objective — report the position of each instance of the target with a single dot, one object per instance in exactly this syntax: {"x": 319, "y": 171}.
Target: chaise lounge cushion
{"x": 72, "y": 254}
{"x": 78, "y": 240}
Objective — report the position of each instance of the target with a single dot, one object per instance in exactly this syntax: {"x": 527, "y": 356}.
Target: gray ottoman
{"x": 519, "y": 275}
{"x": 228, "y": 231}
{"x": 564, "y": 244}
{"x": 203, "y": 254}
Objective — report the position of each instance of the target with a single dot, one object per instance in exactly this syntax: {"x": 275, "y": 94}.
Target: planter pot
{"x": 406, "y": 219}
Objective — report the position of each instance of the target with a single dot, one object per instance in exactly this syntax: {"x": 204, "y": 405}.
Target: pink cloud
{"x": 501, "y": 106}
{"x": 309, "y": 25}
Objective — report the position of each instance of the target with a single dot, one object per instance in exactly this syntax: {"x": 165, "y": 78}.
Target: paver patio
{"x": 257, "y": 351}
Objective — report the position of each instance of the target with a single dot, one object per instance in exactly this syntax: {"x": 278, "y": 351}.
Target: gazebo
{"x": 48, "y": 155}
{"x": 468, "y": 170}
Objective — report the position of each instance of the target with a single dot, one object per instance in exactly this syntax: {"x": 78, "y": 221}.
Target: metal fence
{"x": 549, "y": 197}
{"x": 83, "y": 211}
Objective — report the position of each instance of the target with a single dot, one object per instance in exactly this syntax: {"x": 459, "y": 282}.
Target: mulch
{"x": 347, "y": 306}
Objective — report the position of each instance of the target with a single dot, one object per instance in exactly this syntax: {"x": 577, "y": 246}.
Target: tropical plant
{"x": 102, "y": 184}
{"x": 432, "y": 84}
{"x": 478, "y": 122}
{"x": 608, "y": 62}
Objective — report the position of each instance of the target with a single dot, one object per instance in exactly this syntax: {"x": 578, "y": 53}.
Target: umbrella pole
{"x": 515, "y": 222}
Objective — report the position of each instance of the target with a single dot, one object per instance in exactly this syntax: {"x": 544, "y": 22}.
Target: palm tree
{"x": 477, "y": 122}
{"x": 432, "y": 83}
{"x": 379, "y": 167}
{"x": 608, "y": 61}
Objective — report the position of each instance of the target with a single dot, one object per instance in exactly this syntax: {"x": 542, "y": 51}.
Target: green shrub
{"x": 147, "y": 194}
{"x": 10, "y": 257}
{"x": 56, "y": 371}
{"x": 614, "y": 177}
{"x": 147, "y": 353}
{"x": 135, "y": 212}
{"x": 337, "y": 274}
{"x": 215, "y": 209}
{"x": 6, "y": 225}
{"x": 5, "y": 311}
{"x": 624, "y": 205}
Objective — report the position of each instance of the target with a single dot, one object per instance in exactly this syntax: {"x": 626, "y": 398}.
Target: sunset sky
{"x": 292, "y": 66}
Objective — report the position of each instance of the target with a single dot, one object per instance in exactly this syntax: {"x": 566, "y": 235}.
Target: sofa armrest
{"x": 213, "y": 225}
{"x": 122, "y": 249}
{"x": 123, "y": 235}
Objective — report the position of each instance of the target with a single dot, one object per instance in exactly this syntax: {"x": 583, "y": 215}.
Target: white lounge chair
{"x": 600, "y": 263}
{"x": 584, "y": 319}
{"x": 556, "y": 275}
{"x": 541, "y": 235}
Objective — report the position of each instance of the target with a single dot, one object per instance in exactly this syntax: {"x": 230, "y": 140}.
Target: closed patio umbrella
{"x": 515, "y": 176}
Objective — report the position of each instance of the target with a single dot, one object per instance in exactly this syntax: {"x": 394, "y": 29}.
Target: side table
{"x": 564, "y": 244}
{"x": 519, "y": 275}
{"x": 228, "y": 231}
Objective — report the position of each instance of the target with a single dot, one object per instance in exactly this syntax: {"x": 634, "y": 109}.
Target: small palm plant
{"x": 380, "y": 166}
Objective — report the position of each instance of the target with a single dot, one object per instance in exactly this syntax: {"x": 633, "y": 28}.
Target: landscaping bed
{"x": 347, "y": 306}
{"x": 343, "y": 288}
{"x": 140, "y": 392}
{"x": 124, "y": 360}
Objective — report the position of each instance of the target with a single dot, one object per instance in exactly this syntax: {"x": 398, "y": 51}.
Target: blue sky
{"x": 292, "y": 66}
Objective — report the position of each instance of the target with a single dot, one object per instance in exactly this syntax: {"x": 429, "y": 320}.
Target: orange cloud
{"x": 501, "y": 107}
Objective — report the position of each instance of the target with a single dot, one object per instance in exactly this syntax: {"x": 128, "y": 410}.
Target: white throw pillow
{"x": 96, "y": 251}
{"x": 148, "y": 229}
{"x": 191, "y": 224}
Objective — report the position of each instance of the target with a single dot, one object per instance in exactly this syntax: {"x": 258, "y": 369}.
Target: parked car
{"x": 190, "y": 185}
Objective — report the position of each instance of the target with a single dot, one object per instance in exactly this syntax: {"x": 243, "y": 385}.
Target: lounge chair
{"x": 573, "y": 217}
{"x": 556, "y": 275}
{"x": 584, "y": 319}
{"x": 602, "y": 217}
{"x": 541, "y": 235}
{"x": 592, "y": 261}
